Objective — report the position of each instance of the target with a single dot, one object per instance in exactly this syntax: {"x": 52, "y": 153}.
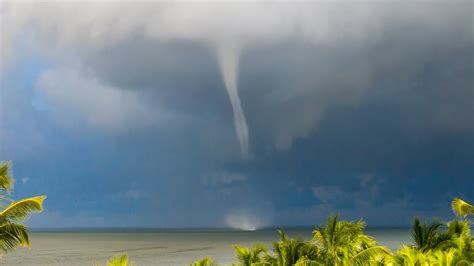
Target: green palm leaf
{"x": 445, "y": 257}
{"x": 340, "y": 241}
{"x": 249, "y": 257}
{"x": 410, "y": 256}
{"x": 462, "y": 208}
{"x": 376, "y": 253}
{"x": 429, "y": 236}
{"x": 289, "y": 250}
{"x": 305, "y": 261}
{"x": 258, "y": 248}
{"x": 243, "y": 254}
{"x": 204, "y": 262}
{"x": 13, "y": 235}
{"x": 119, "y": 260}
{"x": 19, "y": 210}
{"x": 6, "y": 182}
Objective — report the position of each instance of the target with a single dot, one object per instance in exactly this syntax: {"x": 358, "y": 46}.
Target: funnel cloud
{"x": 228, "y": 57}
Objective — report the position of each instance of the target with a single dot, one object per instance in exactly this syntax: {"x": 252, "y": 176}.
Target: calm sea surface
{"x": 166, "y": 247}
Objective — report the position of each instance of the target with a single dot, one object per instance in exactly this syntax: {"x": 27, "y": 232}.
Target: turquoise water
{"x": 165, "y": 247}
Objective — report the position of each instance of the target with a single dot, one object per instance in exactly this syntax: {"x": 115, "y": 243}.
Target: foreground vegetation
{"x": 344, "y": 243}
{"x": 119, "y": 260}
{"x": 12, "y": 232}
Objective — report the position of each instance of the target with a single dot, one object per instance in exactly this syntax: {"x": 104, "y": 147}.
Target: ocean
{"x": 159, "y": 247}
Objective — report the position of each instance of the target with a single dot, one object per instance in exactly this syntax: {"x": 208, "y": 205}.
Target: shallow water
{"x": 164, "y": 247}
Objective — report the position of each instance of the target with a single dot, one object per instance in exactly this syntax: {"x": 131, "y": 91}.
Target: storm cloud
{"x": 322, "y": 93}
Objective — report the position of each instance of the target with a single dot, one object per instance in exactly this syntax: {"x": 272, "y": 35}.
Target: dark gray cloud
{"x": 352, "y": 112}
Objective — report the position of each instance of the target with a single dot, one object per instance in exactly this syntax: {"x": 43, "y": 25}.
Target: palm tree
{"x": 249, "y": 257}
{"x": 448, "y": 257}
{"x": 462, "y": 239}
{"x": 462, "y": 208}
{"x": 428, "y": 236}
{"x": 411, "y": 256}
{"x": 289, "y": 250}
{"x": 344, "y": 242}
{"x": 13, "y": 233}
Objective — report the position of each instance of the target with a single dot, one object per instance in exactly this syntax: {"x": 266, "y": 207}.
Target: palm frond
{"x": 204, "y": 262}
{"x": 248, "y": 256}
{"x": 444, "y": 257}
{"x": 119, "y": 260}
{"x": 305, "y": 261}
{"x": 242, "y": 253}
{"x": 283, "y": 235}
{"x": 269, "y": 259}
{"x": 410, "y": 256}
{"x": 428, "y": 236}
{"x": 13, "y": 235}
{"x": 259, "y": 248}
{"x": 6, "y": 182}
{"x": 462, "y": 208}
{"x": 460, "y": 228}
{"x": 19, "y": 210}
{"x": 341, "y": 242}
{"x": 376, "y": 253}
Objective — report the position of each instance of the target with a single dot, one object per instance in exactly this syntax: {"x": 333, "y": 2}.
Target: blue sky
{"x": 123, "y": 119}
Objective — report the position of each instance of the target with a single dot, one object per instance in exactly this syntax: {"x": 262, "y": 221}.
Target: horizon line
{"x": 150, "y": 229}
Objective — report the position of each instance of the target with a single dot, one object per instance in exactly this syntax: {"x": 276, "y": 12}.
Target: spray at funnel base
{"x": 228, "y": 63}
{"x": 242, "y": 220}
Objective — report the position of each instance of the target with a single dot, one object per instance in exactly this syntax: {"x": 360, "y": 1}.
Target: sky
{"x": 238, "y": 114}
